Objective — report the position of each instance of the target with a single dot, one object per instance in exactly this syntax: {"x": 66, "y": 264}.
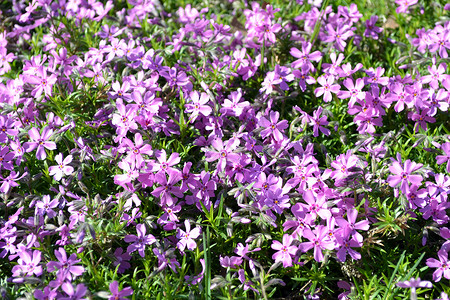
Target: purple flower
{"x": 121, "y": 260}
{"x": 115, "y": 294}
{"x": 441, "y": 159}
{"x": 403, "y": 5}
{"x": 166, "y": 259}
{"x": 65, "y": 265}
{"x": 273, "y": 127}
{"x": 442, "y": 265}
{"x": 354, "y": 91}
{"x": 77, "y": 294}
{"x": 305, "y": 57}
{"x": 285, "y": 250}
{"x": 164, "y": 164}
{"x": 436, "y": 75}
{"x": 139, "y": 241}
{"x": 327, "y": 87}
{"x": 5, "y": 158}
{"x": 372, "y": 31}
{"x": 338, "y": 35}
{"x": 168, "y": 188}
{"x": 198, "y": 105}
{"x": 193, "y": 280}
{"x": 40, "y": 142}
{"x": 318, "y": 122}
{"x": 345, "y": 244}
{"x": 186, "y": 238}
{"x": 403, "y": 174}
{"x": 45, "y": 206}
{"x": 223, "y": 153}
{"x": 230, "y": 262}
{"x": 47, "y": 294}
{"x": 135, "y": 150}
{"x": 414, "y": 283}
{"x": 422, "y": 118}
{"x": 42, "y": 82}
{"x": 319, "y": 240}
{"x": 28, "y": 264}
{"x": 351, "y": 226}
{"x": 62, "y": 168}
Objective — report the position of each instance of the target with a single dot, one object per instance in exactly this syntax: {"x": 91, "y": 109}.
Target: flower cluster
{"x": 135, "y": 157}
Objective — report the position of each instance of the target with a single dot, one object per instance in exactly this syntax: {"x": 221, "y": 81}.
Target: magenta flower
{"x": 350, "y": 226}
{"x": 414, "y": 283}
{"x": 139, "y": 241}
{"x": 186, "y": 238}
{"x": 285, "y": 250}
{"x": 319, "y": 240}
{"x": 223, "y": 153}
{"x": 439, "y": 41}
{"x": 305, "y": 57}
{"x": 62, "y": 168}
{"x": 168, "y": 188}
{"x": 40, "y": 142}
{"x": 73, "y": 294}
{"x": 43, "y": 83}
{"x": 436, "y": 75}
{"x": 327, "y": 87}
{"x": 318, "y": 121}
{"x": 332, "y": 69}
{"x": 398, "y": 95}
{"x": 372, "y": 31}
{"x": 198, "y": 105}
{"x": 28, "y": 264}
{"x": 115, "y": 294}
{"x": 422, "y": 119}
{"x": 273, "y": 127}
{"x": 135, "y": 150}
{"x": 164, "y": 164}
{"x": 65, "y": 265}
{"x": 403, "y": 175}
{"x": 354, "y": 91}
{"x": 131, "y": 173}
{"x": 338, "y": 35}
{"x": 121, "y": 260}
{"x": 403, "y": 5}
{"x": 441, "y": 159}
{"x": 442, "y": 265}
{"x": 345, "y": 244}
{"x": 45, "y": 206}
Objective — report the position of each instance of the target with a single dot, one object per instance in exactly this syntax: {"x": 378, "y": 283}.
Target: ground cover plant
{"x": 224, "y": 149}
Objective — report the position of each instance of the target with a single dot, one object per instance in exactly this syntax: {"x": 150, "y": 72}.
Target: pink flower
{"x": 285, "y": 251}
{"x": 62, "y": 168}
{"x": 327, "y": 87}
{"x": 403, "y": 5}
{"x": 442, "y": 266}
{"x": 116, "y": 295}
{"x": 305, "y": 57}
{"x": 403, "y": 175}
{"x": 139, "y": 241}
{"x": 28, "y": 264}
{"x": 198, "y": 105}
{"x": 372, "y": 31}
{"x": 272, "y": 126}
{"x": 319, "y": 240}
{"x": 40, "y": 142}
{"x": 441, "y": 159}
{"x": 186, "y": 238}
{"x": 66, "y": 265}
